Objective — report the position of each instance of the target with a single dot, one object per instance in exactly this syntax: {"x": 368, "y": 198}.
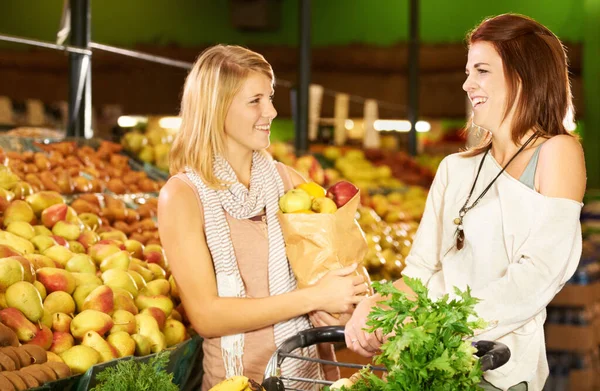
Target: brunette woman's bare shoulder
{"x": 561, "y": 168}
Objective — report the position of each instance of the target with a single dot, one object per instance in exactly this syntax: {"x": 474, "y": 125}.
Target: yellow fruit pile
{"x": 307, "y": 198}
{"x": 84, "y": 296}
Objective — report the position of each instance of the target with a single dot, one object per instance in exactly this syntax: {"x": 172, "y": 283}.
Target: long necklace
{"x": 460, "y": 233}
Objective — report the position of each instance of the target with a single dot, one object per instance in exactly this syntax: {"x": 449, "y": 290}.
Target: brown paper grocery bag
{"x": 319, "y": 242}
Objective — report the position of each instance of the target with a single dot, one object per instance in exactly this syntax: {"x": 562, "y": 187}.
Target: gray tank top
{"x": 528, "y": 176}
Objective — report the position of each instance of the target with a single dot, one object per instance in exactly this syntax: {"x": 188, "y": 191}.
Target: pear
{"x": 88, "y": 239}
{"x": 28, "y": 269}
{"x": 90, "y": 320}
{"x": 26, "y": 298}
{"x": 157, "y": 314}
{"x": 61, "y": 322}
{"x": 134, "y": 247}
{"x": 41, "y": 230}
{"x": 117, "y": 278}
{"x": 139, "y": 280}
{"x": 100, "y": 299}
{"x": 154, "y": 253}
{"x": 42, "y": 200}
{"x": 81, "y": 263}
{"x": 59, "y": 301}
{"x": 18, "y": 210}
{"x": 55, "y": 279}
{"x": 146, "y": 274}
{"x": 91, "y": 220}
{"x": 123, "y": 321}
{"x": 53, "y": 357}
{"x": 53, "y": 214}
{"x": 41, "y": 289}
{"x": 122, "y": 342}
{"x": 174, "y": 332}
{"x": 17, "y": 244}
{"x": 157, "y": 287}
{"x": 96, "y": 342}
{"x": 86, "y": 278}
{"x": 157, "y": 271}
{"x": 119, "y": 260}
{"x": 47, "y": 319}
{"x": 175, "y": 315}
{"x": 42, "y": 242}
{"x": 114, "y": 234}
{"x": 147, "y": 326}
{"x": 76, "y": 247}
{"x": 143, "y": 344}
{"x": 39, "y": 261}
{"x": 159, "y": 301}
{"x": 174, "y": 291}
{"x": 11, "y": 271}
{"x": 81, "y": 293}
{"x": 22, "y": 229}
{"x": 15, "y": 320}
{"x": 80, "y": 358}
{"x": 23, "y": 296}
{"x": 123, "y": 300}
{"x": 100, "y": 251}
{"x": 69, "y": 231}
{"x": 58, "y": 254}
{"x": 61, "y": 342}
{"x": 42, "y": 338}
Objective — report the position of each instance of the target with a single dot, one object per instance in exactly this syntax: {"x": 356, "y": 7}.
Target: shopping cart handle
{"x": 492, "y": 354}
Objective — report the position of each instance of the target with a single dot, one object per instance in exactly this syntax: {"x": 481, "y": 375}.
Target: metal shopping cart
{"x": 492, "y": 355}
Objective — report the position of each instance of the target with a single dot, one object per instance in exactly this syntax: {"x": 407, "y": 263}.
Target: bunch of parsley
{"x": 428, "y": 350}
{"x": 130, "y": 375}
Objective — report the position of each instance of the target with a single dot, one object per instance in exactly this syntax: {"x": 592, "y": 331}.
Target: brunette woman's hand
{"x": 339, "y": 290}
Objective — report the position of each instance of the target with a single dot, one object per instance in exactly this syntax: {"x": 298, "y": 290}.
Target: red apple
{"x": 342, "y": 192}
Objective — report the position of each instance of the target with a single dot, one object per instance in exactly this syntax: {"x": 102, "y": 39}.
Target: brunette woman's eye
{"x": 482, "y": 71}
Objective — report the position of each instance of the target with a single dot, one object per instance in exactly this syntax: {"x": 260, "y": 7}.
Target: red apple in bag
{"x": 342, "y": 192}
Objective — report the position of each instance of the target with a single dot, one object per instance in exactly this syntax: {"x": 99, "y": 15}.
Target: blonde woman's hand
{"x": 339, "y": 290}
{"x": 322, "y": 318}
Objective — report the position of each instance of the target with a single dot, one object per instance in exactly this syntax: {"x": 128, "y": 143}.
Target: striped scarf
{"x": 266, "y": 187}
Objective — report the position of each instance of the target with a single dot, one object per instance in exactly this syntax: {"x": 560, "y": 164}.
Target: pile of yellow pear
{"x": 307, "y": 197}
{"x": 85, "y": 297}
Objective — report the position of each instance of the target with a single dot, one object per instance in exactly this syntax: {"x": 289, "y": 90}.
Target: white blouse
{"x": 520, "y": 248}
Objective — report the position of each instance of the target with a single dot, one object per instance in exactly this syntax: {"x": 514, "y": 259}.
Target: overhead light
{"x": 170, "y": 122}
{"x": 129, "y": 121}
{"x": 400, "y": 125}
{"x": 423, "y": 126}
{"x": 349, "y": 124}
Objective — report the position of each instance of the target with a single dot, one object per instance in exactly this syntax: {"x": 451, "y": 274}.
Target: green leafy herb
{"x": 130, "y": 375}
{"x": 427, "y": 350}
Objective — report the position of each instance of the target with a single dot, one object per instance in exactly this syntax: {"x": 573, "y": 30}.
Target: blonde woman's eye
{"x": 271, "y": 98}
{"x": 255, "y": 100}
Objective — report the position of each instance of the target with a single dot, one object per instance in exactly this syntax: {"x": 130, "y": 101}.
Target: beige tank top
{"x": 251, "y": 246}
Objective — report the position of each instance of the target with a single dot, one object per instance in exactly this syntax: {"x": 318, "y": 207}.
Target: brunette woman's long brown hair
{"x": 535, "y": 61}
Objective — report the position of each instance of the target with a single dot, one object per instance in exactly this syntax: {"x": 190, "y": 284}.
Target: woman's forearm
{"x": 222, "y": 316}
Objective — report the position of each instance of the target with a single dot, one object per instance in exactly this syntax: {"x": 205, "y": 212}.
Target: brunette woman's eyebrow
{"x": 476, "y": 66}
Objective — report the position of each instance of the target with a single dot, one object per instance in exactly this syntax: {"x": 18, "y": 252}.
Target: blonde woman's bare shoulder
{"x": 177, "y": 195}
{"x": 561, "y": 168}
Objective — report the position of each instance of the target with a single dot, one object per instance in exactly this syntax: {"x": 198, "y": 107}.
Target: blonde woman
{"x": 219, "y": 228}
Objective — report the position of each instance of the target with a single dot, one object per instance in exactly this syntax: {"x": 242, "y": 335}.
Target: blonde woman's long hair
{"x": 217, "y": 75}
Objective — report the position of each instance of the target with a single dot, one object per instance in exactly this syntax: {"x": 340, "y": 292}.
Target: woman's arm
{"x": 422, "y": 262}
{"x": 182, "y": 234}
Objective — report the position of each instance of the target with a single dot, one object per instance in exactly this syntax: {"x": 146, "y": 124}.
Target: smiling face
{"x": 486, "y": 87}
{"x": 248, "y": 120}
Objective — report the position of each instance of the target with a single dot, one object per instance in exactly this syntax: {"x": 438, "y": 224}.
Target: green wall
{"x": 335, "y": 22}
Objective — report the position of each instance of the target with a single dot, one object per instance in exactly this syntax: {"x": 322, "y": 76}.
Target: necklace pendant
{"x": 457, "y": 221}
